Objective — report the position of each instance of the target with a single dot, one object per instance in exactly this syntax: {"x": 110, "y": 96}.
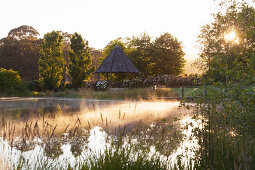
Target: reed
{"x": 122, "y": 153}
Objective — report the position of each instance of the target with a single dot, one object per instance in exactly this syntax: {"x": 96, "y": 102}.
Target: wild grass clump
{"x": 227, "y": 139}
{"x": 127, "y": 157}
{"x": 144, "y": 147}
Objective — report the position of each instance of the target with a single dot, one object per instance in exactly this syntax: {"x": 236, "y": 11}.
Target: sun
{"x": 231, "y": 37}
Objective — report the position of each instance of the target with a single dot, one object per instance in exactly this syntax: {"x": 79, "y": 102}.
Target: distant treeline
{"x": 21, "y": 50}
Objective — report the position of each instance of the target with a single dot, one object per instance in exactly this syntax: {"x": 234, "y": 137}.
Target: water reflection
{"x": 61, "y": 131}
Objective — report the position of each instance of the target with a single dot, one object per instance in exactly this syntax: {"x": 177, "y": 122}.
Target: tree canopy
{"x": 23, "y": 32}
{"x": 51, "y": 62}
{"x": 20, "y": 51}
{"x": 80, "y": 61}
{"x": 221, "y": 58}
{"x": 162, "y": 56}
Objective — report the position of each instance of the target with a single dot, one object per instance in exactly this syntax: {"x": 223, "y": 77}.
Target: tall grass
{"x": 122, "y": 150}
{"x": 227, "y": 139}
{"x": 134, "y": 94}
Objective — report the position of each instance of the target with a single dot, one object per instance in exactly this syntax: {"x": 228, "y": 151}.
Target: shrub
{"x": 136, "y": 82}
{"x": 9, "y": 80}
{"x": 89, "y": 85}
{"x": 164, "y": 80}
{"x": 33, "y": 85}
{"x": 102, "y": 85}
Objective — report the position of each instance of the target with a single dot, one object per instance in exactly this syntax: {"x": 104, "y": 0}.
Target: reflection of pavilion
{"x": 116, "y": 62}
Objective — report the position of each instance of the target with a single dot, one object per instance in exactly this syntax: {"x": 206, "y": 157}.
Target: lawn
{"x": 115, "y": 93}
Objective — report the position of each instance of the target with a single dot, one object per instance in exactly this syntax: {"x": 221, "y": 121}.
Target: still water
{"x": 62, "y": 130}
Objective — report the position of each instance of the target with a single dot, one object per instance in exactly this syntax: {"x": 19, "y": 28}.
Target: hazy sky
{"x": 100, "y": 21}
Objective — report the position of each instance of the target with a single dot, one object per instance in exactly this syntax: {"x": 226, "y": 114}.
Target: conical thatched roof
{"x": 117, "y": 62}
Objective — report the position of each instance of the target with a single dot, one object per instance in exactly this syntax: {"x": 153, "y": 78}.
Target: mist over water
{"x": 62, "y": 112}
{"x": 60, "y": 117}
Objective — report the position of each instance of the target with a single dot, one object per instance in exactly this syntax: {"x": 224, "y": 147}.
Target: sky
{"x": 100, "y": 21}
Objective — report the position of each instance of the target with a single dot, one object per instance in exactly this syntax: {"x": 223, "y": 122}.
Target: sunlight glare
{"x": 231, "y": 37}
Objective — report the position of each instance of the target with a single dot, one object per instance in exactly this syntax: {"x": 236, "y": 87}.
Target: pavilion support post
{"x": 127, "y": 76}
{"x": 98, "y": 76}
{"x": 107, "y": 76}
{"x": 110, "y": 79}
{"x": 182, "y": 88}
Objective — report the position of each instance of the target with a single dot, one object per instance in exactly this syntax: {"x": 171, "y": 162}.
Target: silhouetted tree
{"x": 220, "y": 59}
{"x": 20, "y": 51}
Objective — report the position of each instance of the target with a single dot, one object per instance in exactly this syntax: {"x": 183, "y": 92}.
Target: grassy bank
{"x": 227, "y": 136}
{"x": 119, "y": 94}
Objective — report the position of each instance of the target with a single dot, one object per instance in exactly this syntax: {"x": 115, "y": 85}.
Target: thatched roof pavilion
{"x": 117, "y": 62}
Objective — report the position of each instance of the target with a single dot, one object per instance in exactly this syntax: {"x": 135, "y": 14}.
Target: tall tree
{"x": 23, "y": 32}
{"x": 140, "y": 53}
{"x": 80, "y": 61}
{"x": 167, "y": 56}
{"x": 221, "y": 58}
{"x": 108, "y": 49}
{"x": 20, "y": 51}
{"x": 159, "y": 57}
{"x": 51, "y": 62}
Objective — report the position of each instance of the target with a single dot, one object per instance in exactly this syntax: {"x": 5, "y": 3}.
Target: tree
{"x": 95, "y": 55}
{"x": 167, "y": 56}
{"x": 51, "y": 62}
{"x": 66, "y": 48}
{"x": 162, "y": 56}
{"x": 23, "y": 32}
{"x": 108, "y": 49}
{"x": 20, "y": 51}
{"x": 140, "y": 53}
{"x": 80, "y": 61}
{"x": 219, "y": 58}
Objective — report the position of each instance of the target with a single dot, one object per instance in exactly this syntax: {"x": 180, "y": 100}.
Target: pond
{"x": 62, "y": 131}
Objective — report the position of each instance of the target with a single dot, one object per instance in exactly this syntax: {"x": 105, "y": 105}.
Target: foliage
{"x": 9, "y": 80}
{"x": 51, "y": 62}
{"x": 227, "y": 137}
{"x": 108, "y": 49}
{"x": 23, "y": 32}
{"x": 164, "y": 80}
{"x": 167, "y": 56}
{"x": 117, "y": 157}
{"x": 80, "y": 61}
{"x": 227, "y": 133}
{"x": 20, "y": 51}
{"x": 159, "y": 57}
{"x": 96, "y": 55}
{"x": 66, "y": 48}
{"x": 110, "y": 46}
{"x": 221, "y": 58}
{"x": 140, "y": 53}
{"x": 102, "y": 85}
{"x": 136, "y": 82}
{"x": 33, "y": 85}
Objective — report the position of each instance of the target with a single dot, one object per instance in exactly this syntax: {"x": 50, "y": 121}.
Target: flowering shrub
{"x": 102, "y": 85}
{"x": 164, "y": 80}
{"x": 134, "y": 83}
{"x": 89, "y": 85}
{"x": 140, "y": 82}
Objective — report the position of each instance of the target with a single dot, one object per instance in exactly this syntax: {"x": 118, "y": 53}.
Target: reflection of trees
{"x": 24, "y": 111}
{"x": 53, "y": 111}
